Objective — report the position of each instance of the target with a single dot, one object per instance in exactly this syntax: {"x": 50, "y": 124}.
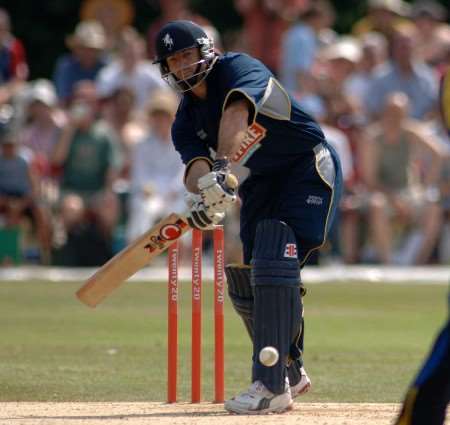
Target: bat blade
{"x": 131, "y": 259}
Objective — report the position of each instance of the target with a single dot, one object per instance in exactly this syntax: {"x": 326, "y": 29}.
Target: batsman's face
{"x": 184, "y": 63}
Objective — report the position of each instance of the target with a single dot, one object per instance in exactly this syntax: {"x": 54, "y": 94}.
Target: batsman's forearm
{"x": 232, "y": 130}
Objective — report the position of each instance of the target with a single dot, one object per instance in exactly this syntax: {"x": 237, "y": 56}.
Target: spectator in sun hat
{"x": 85, "y": 60}
{"x": 342, "y": 57}
{"x": 156, "y": 186}
{"x": 44, "y": 122}
{"x": 114, "y": 15}
{"x": 383, "y": 16}
{"x": 130, "y": 69}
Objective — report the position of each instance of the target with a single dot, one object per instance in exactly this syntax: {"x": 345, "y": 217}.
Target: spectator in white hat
{"x": 84, "y": 62}
{"x": 156, "y": 186}
{"x": 44, "y": 122}
{"x": 342, "y": 58}
{"x": 130, "y": 69}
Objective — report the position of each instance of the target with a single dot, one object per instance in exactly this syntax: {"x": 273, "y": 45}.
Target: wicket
{"x": 196, "y": 331}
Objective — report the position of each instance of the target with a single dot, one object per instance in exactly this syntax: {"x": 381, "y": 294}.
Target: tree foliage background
{"x": 43, "y": 25}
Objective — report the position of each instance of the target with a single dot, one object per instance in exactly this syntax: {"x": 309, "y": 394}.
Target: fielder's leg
{"x": 428, "y": 397}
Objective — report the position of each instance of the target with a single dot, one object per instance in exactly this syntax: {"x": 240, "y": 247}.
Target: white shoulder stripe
{"x": 275, "y": 103}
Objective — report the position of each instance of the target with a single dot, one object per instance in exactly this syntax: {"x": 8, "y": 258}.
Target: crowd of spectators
{"x": 87, "y": 163}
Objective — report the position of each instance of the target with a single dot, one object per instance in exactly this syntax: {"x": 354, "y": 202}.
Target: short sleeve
{"x": 249, "y": 78}
{"x": 188, "y": 144}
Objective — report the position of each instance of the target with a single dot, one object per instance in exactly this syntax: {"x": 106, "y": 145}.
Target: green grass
{"x": 364, "y": 342}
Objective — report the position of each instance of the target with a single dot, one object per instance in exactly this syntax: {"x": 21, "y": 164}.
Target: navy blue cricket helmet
{"x": 180, "y": 35}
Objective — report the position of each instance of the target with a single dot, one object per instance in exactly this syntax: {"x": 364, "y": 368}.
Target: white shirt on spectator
{"x": 340, "y": 143}
{"x": 143, "y": 80}
{"x": 156, "y": 184}
{"x": 357, "y": 86}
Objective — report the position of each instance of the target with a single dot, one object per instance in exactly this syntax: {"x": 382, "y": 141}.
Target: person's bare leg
{"x": 43, "y": 231}
{"x": 431, "y": 224}
{"x": 380, "y": 227}
{"x": 349, "y": 237}
{"x": 107, "y": 210}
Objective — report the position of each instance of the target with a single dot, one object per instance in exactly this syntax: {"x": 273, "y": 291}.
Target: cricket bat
{"x": 132, "y": 258}
{"x": 136, "y": 255}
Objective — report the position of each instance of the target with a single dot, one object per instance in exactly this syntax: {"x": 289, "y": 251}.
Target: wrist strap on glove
{"x": 221, "y": 165}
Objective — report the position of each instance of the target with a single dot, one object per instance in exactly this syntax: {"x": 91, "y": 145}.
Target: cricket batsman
{"x": 234, "y": 110}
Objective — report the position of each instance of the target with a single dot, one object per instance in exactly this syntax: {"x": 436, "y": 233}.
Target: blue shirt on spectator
{"x": 297, "y": 54}
{"x": 14, "y": 176}
{"x": 68, "y": 72}
{"x": 420, "y": 86}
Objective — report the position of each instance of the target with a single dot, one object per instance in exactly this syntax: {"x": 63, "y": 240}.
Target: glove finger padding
{"x": 200, "y": 220}
{"x": 199, "y": 217}
{"x": 216, "y": 195}
{"x": 217, "y": 202}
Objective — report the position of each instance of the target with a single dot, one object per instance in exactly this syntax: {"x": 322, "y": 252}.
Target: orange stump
{"x": 196, "y": 321}
{"x": 172, "y": 339}
{"x": 218, "y": 314}
{"x": 196, "y": 332}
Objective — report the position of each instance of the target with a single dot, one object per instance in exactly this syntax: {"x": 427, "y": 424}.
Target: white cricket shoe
{"x": 303, "y": 386}
{"x": 258, "y": 400}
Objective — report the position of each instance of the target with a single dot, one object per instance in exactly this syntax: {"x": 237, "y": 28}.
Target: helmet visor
{"x": 187, "y": 77}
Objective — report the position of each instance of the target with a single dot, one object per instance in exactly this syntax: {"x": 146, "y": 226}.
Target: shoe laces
{"x": 256, "y": 387}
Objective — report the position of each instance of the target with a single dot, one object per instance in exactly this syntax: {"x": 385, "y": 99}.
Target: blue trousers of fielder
{"x": 429, "y": 395}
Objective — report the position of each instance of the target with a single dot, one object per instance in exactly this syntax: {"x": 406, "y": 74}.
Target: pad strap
{"x": 241, "y": 294}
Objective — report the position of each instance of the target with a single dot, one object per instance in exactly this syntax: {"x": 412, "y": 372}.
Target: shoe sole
{"x": 264, "y": 411}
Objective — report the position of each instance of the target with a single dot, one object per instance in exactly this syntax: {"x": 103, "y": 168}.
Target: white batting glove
{"x": 218, "y": 188}
{"x": 199, "y": 217}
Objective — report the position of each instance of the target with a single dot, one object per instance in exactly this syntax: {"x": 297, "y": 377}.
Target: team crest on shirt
{"x": 290, "y": 251}
{"x": 255, "y": 133}
{"x": 168, "y": 41}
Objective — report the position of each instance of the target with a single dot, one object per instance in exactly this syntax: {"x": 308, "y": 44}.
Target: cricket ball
{"x": 269, "y": 356}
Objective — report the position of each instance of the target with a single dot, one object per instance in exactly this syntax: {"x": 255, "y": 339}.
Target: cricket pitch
{"x": 34, "y": 413}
